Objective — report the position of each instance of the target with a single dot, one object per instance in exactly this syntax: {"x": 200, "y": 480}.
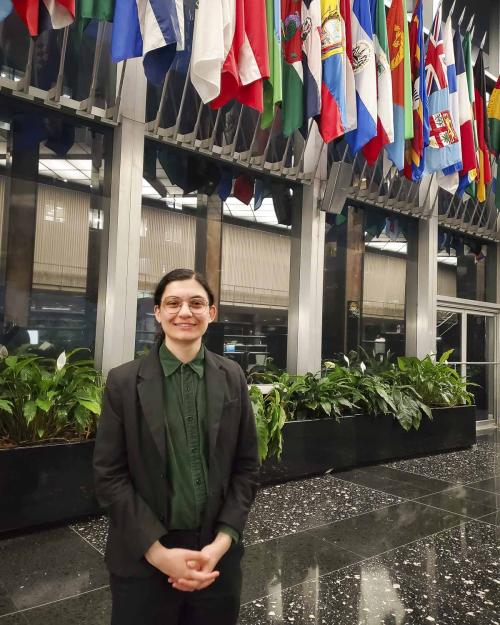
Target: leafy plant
{"x": 47, "y": 400}
{"x": 270, "y": 417}
{"x": 436, "y": 382}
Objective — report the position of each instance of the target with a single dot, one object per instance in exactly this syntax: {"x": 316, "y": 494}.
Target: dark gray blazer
{"x": 130, "y": 457}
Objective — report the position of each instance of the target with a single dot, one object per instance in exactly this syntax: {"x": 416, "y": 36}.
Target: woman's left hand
{"x": 214, "y": 552}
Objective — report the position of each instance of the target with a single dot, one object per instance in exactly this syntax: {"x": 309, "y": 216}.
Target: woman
{"x": 175, "y": 466}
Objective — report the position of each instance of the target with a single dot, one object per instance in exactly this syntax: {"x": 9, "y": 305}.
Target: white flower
{"x": 4, "y": 352}
{"x": 347, "y": 360}
{"x": 61, "y": 361}
{"x": 362, "y": 366}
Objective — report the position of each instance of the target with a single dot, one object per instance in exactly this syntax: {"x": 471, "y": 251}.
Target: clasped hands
{"x": 189, "y": 570}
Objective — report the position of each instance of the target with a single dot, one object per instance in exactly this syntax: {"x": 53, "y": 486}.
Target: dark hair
{"x": 181, "y": 274}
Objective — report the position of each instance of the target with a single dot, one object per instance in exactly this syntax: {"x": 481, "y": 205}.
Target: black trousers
{"x": 153, "y": 601}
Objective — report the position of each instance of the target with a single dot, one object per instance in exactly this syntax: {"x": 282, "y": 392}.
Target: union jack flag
{"x": 436, "y": 72}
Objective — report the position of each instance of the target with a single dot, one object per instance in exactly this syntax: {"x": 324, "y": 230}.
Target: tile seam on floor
{"x": 464, "y": 516}
{"x": 492, "y": 477}
{"x": 377, "y": 490}
{"x": 85, "y": 540}
{"x": 363, "y": 559}
{"x": 366, "y": 469}
{"x": 43, "y": 605}
{"x": 315, "y": 527}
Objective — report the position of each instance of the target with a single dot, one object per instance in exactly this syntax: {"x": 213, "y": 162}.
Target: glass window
{"x": 53, "y": 204}
{"x": 362, "y": 306}
{"x": 243, "y": 250}
{"x": 463, "y": 267}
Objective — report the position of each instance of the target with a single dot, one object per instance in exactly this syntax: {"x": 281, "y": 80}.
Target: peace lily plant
{"x": 406, "y": 390}
{"x": 47, "y": 400}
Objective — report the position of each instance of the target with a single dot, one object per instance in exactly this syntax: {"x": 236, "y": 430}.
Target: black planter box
{"x": 315, "y": 446}
{"x": 53, "y": 483}
{"x": 45, "y": 484}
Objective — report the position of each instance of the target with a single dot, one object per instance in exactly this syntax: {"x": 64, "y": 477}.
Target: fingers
{"x": 187, "y": 585}
{"x": 195, "y": 556}
{"x": 201, "y": 576}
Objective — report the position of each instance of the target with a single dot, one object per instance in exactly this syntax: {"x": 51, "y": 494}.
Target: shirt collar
{"x": 171, "y": 363}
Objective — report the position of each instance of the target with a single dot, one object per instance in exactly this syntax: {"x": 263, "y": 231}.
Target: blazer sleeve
{"x": 128, "y": 512}
{"x": 243, "y": 482}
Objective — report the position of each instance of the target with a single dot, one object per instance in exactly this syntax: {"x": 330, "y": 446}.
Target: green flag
{"x": 101, "y": 10}
{"x": 469, "y": 71}
{"x": 273, "y": 86}
{"x": 293, "y": 78}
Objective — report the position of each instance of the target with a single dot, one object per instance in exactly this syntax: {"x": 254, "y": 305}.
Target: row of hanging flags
{"x": 359, "y": 72}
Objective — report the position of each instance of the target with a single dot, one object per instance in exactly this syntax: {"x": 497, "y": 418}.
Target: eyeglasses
{"x": 197, "y": 305}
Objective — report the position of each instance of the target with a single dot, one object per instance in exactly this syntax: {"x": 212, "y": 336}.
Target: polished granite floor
{"x": 414, "y": 542}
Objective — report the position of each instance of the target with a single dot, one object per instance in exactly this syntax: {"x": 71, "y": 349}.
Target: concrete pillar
{"x": 306, "y": 282}
{"x": 117, "y": 310}
{"x": 421, "y": 280}
{"x": 208, "y": 248}
{"x": 19, "y": 229}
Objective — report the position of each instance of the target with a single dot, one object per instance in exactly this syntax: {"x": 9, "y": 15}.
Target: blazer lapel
{"x": 216, "y": 391}
{"x": 150, "y": 389}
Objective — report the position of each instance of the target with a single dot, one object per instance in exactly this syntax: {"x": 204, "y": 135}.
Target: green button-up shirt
{"x": 186, "y": 422}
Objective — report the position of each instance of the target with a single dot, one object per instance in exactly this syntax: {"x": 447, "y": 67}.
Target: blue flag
{"x": 365, "y": 76}
{"x": 155, "y": 33}
{"x": 5, "y": 9}
{"x": 444, "y": 148}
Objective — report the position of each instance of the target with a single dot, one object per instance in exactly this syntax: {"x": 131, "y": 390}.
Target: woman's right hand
{"x": 180, "y": 563}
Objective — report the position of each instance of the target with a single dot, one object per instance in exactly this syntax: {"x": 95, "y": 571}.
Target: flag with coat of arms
{"x": 365, "y": 76}
{"x": 444, "y": 150}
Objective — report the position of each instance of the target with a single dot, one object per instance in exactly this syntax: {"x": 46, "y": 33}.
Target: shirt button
{"x": 187, "y": 389}
{"x": 189, "y": 418}
{"x": 198, "y": 481}
{"x": 162, "y": 475}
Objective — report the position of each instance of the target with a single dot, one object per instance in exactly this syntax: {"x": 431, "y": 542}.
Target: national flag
{"x": 364, "y": 75}
{"x": 247, "y": 64}
{"x": 153, "y": 29}
{"x": 5, "y": 9}
{"x": 483, "y": 135}
{"x": 466, "y": 117}
{"x": 101, "y": 10}
{"x": 494, "y": 119}
{"x": 54, "y": 14}
{"x": 332, "y": 120}
{"x": 213, "y": 34}
{"x": 28, "y": 12}
{"x": 273, "y": 86}
{"x": 311, "y": 57}
{"x": 385, "y": 119}
{"x": 448, "y": 178}
{"x": 399, "y": 46}
{"x": 350, "y": 84}
{"x": 494, "y": 122}
{"x": 415, "y": 153}
{"x": 293, "y": 73}
{"x": 444, "y": 148}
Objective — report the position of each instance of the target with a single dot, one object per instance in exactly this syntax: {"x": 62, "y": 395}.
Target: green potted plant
{"x": 355, "y": 413}
{"x": 48, "y": 418}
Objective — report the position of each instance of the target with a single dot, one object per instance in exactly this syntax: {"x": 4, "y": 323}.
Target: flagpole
{"x": 181, "y": 105}
{"x": 301, "y": 159}
{"x": 87, "y": 104}
{"x": 461, "y": 17}
{"x": 254, "y": 138}
{"x": 237, "y": 132}
{"x": 24, "y": 83}
{"x": 285, "y": 153}
{"x": 54, "y": 94}
{"x": 159, "y": 112}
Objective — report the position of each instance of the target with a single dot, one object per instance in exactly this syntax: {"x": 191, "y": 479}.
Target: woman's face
{"x": 184, "y": 312}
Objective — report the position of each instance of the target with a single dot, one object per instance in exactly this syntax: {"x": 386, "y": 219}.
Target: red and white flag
{"x": 214, "y": 26}
{"x": 40, "y": 15}
{"x": 247, "y": 64}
